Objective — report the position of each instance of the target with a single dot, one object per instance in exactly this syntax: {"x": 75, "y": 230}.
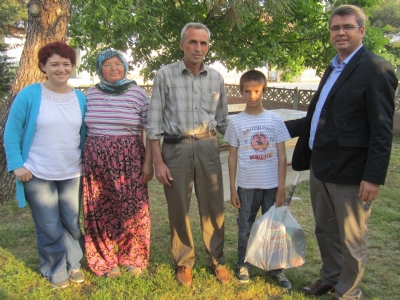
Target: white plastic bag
{"x": 276, "y": 241}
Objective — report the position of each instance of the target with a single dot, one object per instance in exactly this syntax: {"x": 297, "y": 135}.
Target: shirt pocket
{"x": 209, "y": 102}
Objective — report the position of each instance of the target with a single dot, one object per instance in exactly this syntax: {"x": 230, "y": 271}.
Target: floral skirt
{"x": 115, "y": 203}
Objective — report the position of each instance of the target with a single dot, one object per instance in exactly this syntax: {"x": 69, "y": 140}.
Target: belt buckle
{"x": 192, "y": 137}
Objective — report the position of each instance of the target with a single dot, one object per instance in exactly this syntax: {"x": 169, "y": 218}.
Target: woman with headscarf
{"x": 116, "y": 170}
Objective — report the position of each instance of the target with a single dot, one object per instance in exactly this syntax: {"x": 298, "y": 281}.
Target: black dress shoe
{"x": 317, "y": 288}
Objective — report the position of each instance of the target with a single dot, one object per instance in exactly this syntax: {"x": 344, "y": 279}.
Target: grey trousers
{"x": 195, "y": 162}
{"x": 341, "y": 231}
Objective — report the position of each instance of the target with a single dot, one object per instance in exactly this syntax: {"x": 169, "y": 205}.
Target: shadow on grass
{"x": 19, "y": 277}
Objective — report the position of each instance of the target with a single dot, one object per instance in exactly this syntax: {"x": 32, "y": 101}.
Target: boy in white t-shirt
{"x": 257, "y": 144}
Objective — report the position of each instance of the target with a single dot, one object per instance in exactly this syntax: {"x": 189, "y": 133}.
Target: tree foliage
{"x": 387, "y": 13}
{"x": 289, "y": 35}
{"x": 9, "y": 12}
{"x": 7, "y": 73}
{"x": 386, "y": 17}
{"x": 151, "y": 28}
{"x": 47, "y": 22}
{"x": 13, "y": 17}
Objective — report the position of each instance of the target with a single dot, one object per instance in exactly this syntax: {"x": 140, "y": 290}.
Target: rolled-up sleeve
{"x": 156, "y": 111}
{"x": 221, "y": 113}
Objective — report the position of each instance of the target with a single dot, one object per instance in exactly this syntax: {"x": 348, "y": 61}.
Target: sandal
{"x": 113, "y": 273}
{"x": 133, "y": 270}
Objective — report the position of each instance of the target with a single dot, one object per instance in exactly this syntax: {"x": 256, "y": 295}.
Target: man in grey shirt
{"x": 188, "y": 106}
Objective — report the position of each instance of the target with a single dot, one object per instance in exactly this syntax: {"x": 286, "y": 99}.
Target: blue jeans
{"x": 250, "y": 202}
{"x": 55, "y": 211}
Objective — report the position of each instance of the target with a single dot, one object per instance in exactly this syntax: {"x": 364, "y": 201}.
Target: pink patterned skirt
{"x": 115, "y": 203}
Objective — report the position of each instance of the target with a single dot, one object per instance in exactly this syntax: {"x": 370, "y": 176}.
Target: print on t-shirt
{"x": 259, "y": 142}
{"x": 256, "y": 138}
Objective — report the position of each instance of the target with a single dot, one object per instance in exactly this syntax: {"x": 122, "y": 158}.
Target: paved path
{"x": 290, "y": 173}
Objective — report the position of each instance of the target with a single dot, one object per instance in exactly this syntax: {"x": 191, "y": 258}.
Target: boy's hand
{"x": 235, "y": 201}
{"x": 280, "y": 197}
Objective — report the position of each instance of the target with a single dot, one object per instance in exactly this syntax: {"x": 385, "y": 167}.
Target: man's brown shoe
{"x": 317, "y": 288}
{"x": 223, "y": 276}
{"x": 184, "y": 275}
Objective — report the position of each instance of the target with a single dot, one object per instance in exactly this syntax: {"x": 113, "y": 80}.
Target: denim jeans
{"x": 55, "y": 211}
{"x": 250, "y": 202}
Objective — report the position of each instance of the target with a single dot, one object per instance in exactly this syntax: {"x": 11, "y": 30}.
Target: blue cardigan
{"x": 21, "y": 126}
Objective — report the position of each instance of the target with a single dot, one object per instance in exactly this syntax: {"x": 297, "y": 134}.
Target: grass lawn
{"x": 19, "y": 277}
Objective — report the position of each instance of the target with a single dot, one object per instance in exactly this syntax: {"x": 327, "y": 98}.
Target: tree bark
{"x": 47, "y": 22}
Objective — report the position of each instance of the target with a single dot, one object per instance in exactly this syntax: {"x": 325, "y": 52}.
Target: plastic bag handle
{"x": 290, "y": 195}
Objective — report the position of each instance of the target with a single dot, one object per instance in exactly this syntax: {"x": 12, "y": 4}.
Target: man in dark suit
{"x": 345, "y": 140}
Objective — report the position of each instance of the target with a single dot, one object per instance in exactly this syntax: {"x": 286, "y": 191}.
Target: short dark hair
{"x": 59, "y": 48}
{"x": 345, "y": 10}
{"x": 253, "y": 75}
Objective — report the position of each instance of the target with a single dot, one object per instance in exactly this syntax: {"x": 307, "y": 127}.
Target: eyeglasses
{"x": 345, "y": 28}
{"x": 108, "y": 66}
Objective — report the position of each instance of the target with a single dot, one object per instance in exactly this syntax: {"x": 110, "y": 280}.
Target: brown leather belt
{"x": 176, "y": 138}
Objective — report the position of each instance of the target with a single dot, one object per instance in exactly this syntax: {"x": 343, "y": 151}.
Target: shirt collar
{"x": 182, "y": 68}
{"x": 335, "y": 60}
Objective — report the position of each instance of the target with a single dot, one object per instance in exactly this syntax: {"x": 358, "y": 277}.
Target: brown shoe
{"x": 223, "y": 276}
{"x": 184, "y": 275}
{"x": 317, "y": 288}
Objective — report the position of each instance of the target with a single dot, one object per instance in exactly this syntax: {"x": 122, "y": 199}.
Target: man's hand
{"x": 235, "y": 201}
{"x": 368, "y": 191}
{"x": 23, "y": 174}
{"x": 163, "y": 174}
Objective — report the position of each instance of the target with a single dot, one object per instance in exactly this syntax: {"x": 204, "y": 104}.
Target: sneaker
{"x": 77, "y": 276}
{"x": 61, "y": 284}
{"x": 184, "y": 275}
{"x": 242, "y": 274}
{"x": 282, "y": 280}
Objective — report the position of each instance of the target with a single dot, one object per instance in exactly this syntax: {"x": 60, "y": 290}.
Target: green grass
{"x": 19, "y": 277}
{"x": 221, "y": 140}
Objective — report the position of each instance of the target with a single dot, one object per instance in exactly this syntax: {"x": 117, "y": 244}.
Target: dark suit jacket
{"x": 354, "y": 135}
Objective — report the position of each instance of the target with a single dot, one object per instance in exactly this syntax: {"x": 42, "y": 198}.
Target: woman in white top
{"x": 44, "y": 135}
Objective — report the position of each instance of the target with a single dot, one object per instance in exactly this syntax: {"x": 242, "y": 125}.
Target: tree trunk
{"x": 47, "y": 22}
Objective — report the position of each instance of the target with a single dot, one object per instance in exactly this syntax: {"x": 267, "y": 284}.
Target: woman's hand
{"x": 23, "y": 174}
{"x": 148, "y": 171}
